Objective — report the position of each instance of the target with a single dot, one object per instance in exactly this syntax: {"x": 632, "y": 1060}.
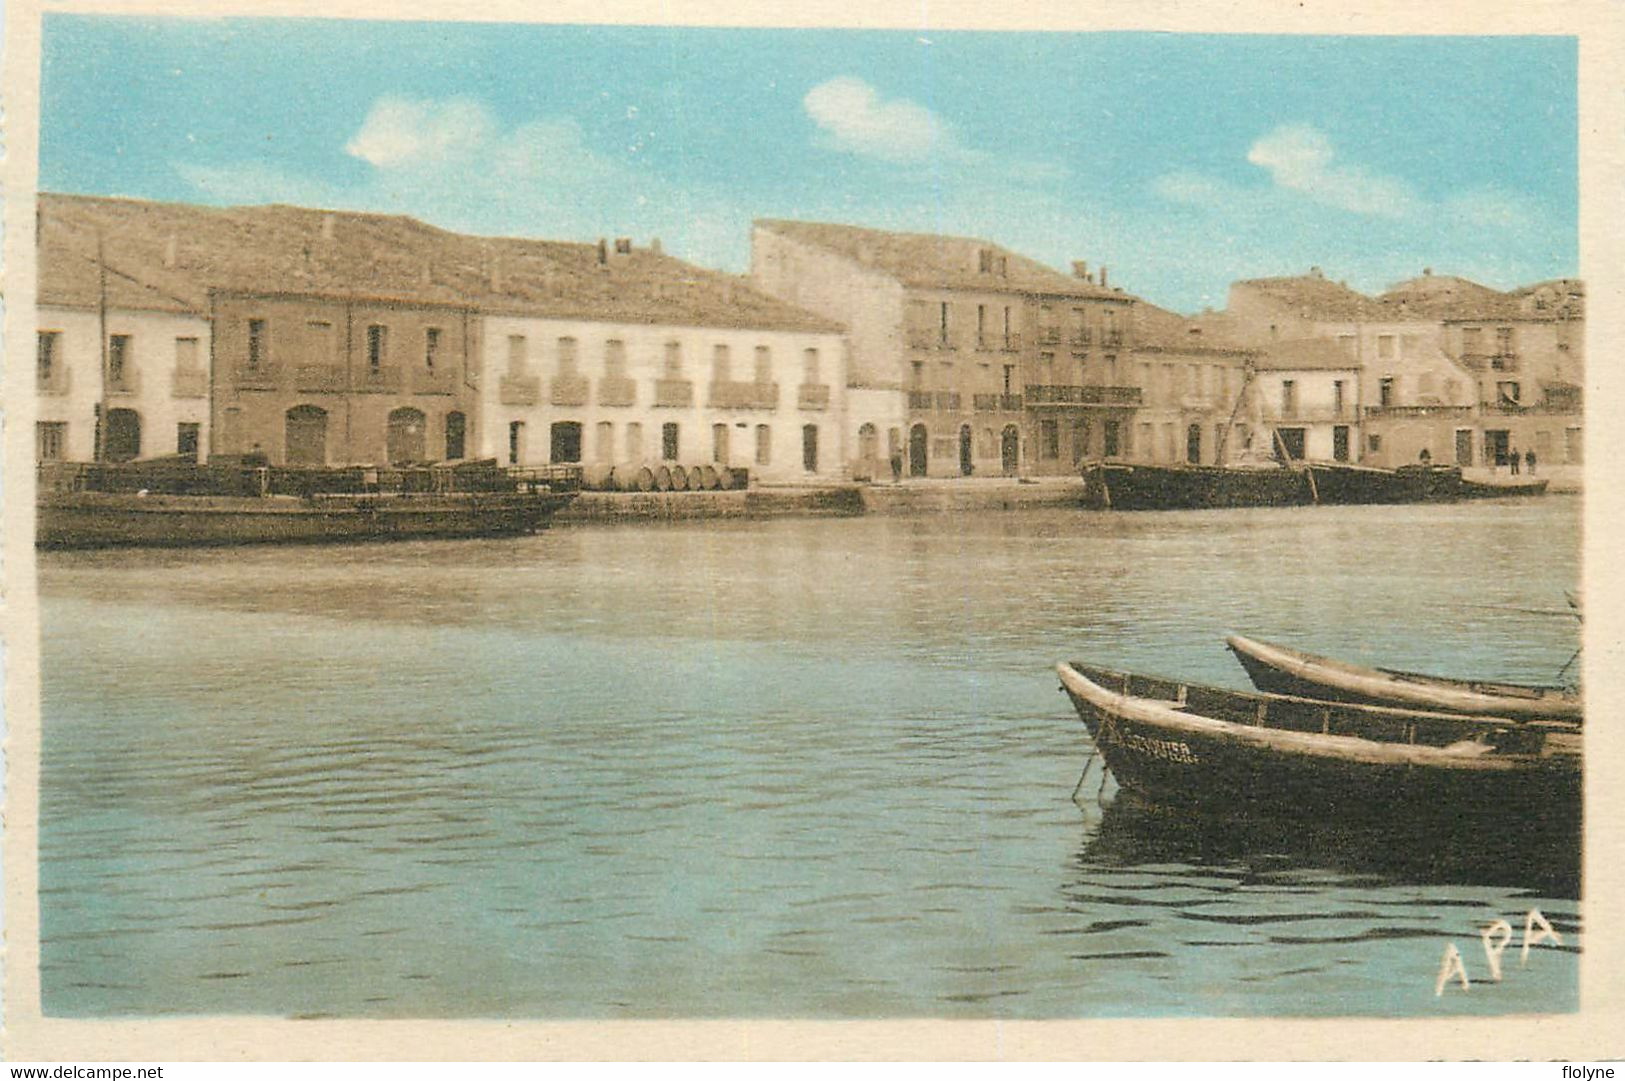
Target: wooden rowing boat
{"x": 1290, "y": 671}
{"x": 1263, "y": 757}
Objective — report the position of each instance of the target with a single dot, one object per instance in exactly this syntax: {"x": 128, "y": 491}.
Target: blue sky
{"x": 1182, "y": 161}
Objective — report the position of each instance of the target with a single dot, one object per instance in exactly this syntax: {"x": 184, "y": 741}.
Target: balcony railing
{"x": 1049, "y": 335}
{"x": 568, "y": 390}
{"x": 189, "y": 383}
{"x": 1082, "y": 395}
{"x": 947, "y": 401}
{"x": 919, "y": 400}
{"x": 318, "y": 378}
{"x": 741, "y": 395}
{"x": 674, "y": 393}
{"x": 813, "y": 396}
{"x": 1111, "y": 337}
{"x": 384, "y": 379}
{"x": 1479, "y": 361}
{"x": 1399, "y": 411}
{"x": 617, "y": 390}
{"x": 1010, "y": 403}
{"x": 257, "y": 377}
{"x": 1311, "y": 415}
{"x": 519, "y": 390}
{"x": 442, "y": 381}
{"x": 56, "y": 382}
{"x": 1080, "y": 336}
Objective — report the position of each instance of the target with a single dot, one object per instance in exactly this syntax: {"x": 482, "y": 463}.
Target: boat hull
{"x": 1113, "y": 486}
{"x": 1280, "y": 670}
{"x": 1171, "y": 757}
{"x": 1339, "y": 483}
{"x": 1502, "y": 489}
{"x": 104, "y": 520}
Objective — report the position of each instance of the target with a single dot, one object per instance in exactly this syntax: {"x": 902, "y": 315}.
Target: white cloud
{"x": 402, "y": 132}
{"x": 1300, "y": 158}
{"x": 853, "y": 117}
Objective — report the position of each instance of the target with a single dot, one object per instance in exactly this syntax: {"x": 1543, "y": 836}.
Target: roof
{"x": 1445, "y": 296}
{"x": 168, "y": 256}
{"x": 934, "y": 261}
{"x": 1158, "y": 328}
{"x": 1313, "y": 295}
{"x": 1306, "y": 354}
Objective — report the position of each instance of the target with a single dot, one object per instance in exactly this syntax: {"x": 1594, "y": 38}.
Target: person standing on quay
{"x": 1513, "y": 455}
{"x": 1529, "y": 460}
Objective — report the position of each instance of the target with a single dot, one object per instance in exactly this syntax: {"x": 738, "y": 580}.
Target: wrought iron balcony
{"x": 519, "y": 390}
{"x": 568, "y": 390}
{"x": 919, "y": 400}
{"x": 740, "y": 395}
{"x": 813, "y": 396}
{"x": 674, "y": 393}
{"x": 617, "y": 390}
{"x": 1045, "y": 394}
{"x": 318, "y": 378}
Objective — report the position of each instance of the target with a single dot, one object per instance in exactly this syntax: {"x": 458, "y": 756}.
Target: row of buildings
{"x": 320, "y": 337}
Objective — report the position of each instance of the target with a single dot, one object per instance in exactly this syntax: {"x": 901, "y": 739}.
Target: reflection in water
{"x": 802, "y": 768}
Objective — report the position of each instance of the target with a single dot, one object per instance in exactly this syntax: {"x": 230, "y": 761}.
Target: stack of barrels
{"x": 662, "y": 477}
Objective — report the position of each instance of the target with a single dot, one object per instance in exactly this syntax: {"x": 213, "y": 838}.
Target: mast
{"x": 101, "y": 321}
{"x": 1241, "y": 396}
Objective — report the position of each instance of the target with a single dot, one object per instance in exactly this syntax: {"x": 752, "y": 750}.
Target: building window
{"x": 917, "y": 374}
{"x": 1289, "y": 398}
{"x": 1503, "y": 341}
{"x": 719, "y": 444}
{"x": 1046, "y": 368}
{"x": 1385, "y": 347}
{"x": 1573, "y": 446}
{"x": 809, "y": 448}
{"x": 322, "y": 340}
{"x": 1472, "y": 341}
{"x": 674, "y": 360}
{"x": 721, "y": 364}
{"x": 764, "y": 445}
{"x": 516, "y": 442}
{"x": 615, "y": 358}
{"x": 1385, "y": 391}
{"x": 186, "y": 437}
{"x": 518, "y": 354}
{"x": 431, "y": 346}
{"x": 1374, "y": 443}
{"x": 942, "y": 324}
{"x": 634, "y": 441}
{"x": 1508, "y": 393}
{"x": 1111, "y": 437}
{"x": 50, "y": 439}
{"x": 1009, "y": 377}
{"x": 809, "y": 366}
{"x": 118, "y": 355}
{"x": 764, "y": 364}
{"x": 1049, "y": 440}
{"x": 256, "y": 343}
{"x": 668, "y": 441}
{"x": 377, "y": 342}
{"x": 46, "y": 353}
{"x": 186, "y": 354}
{"x": 567, "y": 356}
{"x": 604, "y": 442}
{"x": 1007, "y": 341}
{"x": 984, "y": 260}
{"x": 1337, "y": 396}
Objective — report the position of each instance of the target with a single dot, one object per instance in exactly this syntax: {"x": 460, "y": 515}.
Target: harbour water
{"x": 812, "y": 768}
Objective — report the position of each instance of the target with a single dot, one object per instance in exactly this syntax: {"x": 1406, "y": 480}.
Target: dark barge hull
{"x": 1515, "y": 777}
{"x": 111, "y": 519}
{"x": 1476, "y": 489}
{"x": 1344, "y": 483}
{"x": 1114, "y": 486}
{"x": 1281, "y": 670}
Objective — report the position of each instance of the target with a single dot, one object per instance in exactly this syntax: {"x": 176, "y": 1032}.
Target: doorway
{"x": 1010, "y": 450}
{"x": 1464, "y": 446}
{"x": 456, "y": 436}
{"x": 305, "y": 435}
{"x": 1193, "y": 444}
{"x": 123, "y": 441}
{"x": 967, "y": 462}
{"x": 1290, "y": 441}
{"x": 1340, "y": 443}
{"x": 565, "y": 442}
{"x": 1497, "y": 445}
{"x": 405, "y": 442}
{"x": 916, "y": 451}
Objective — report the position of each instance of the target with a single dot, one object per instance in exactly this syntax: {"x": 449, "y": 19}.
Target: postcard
{"x": 635, "y": 532}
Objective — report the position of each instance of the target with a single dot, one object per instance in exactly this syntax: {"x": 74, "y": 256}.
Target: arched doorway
{"x": 123, "y": 440}
{"x": 456, "y": 436}
{"x": 565, "y": 441}
{"x": 405, "y": 442}
{"x": 967, "y": 462}
{"x": 1010, "y": 450}
{"x": 868, "y": 445}
{"x": 916, "y": 450}
{"x": 305, "y": 435}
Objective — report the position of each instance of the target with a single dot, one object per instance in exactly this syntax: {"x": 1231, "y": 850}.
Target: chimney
{"x": 1427, "y": 272}
{"x": 327, "y": 227}
{"x": 623, "y": 245}
{"x": 171, "y": 249}
{"x": 603, "y": 252}
{"x": 1103, "y": 276}
{"x": 1080, "y": 269}
{"x": 1315, "y": 272}
{"x": 654, "y": 245}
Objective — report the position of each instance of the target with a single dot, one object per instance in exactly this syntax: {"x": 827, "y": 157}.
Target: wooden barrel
{"x": 725, "y": 478}
{"x": 709, "y": 479}
{"x": 662, "y": 478}
{"x": 696, "y": 477}
{"x": 679, "y": 478}
{"x": 633, "y": 477}
{"x": 596, "y": 477}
